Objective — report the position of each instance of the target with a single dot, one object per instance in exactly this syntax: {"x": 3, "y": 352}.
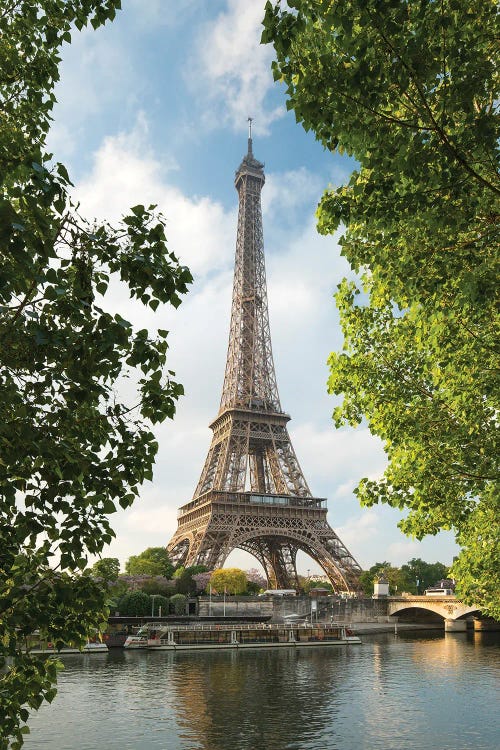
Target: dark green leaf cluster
{"x": 135, "y": 604}
{"x": 184, "y": 579}
{"x": 178, "y": 602}
{"x": 413, "y": 577}
{"x": 71, "y": 451}
{"x": 411, "y": 90}
{"x": 107, "y": 568}
{"x": 154, "y": 561}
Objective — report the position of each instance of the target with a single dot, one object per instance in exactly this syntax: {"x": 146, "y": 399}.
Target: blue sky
{"x": 153, "y": 109}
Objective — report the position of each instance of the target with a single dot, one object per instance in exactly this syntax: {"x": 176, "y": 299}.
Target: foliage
{"x": 178, "y": 602}
{"x": 253, "y": 588}
{"x": 404, "y": 578}
{"x": 154, "y": 561}
{"x": 230, "y": 580}
{"x": 479, "y": 533}
{"x": 319, "y": 585}
{"x": 410, "y": 91}
{"x": 427, "y": 574}
{"x": 195, "y": 569}
{"x": 159, "y": 602}
{"x": 155, "y": 585}
{"x": 136, "y": 567}
{"x": 398, "y": 581}
{"x": 202, "y": 581}
{"x": 185, "y": 582}
{"x": 135, "y": 604}
{"x": 107, "y": 568}
{"x": 116, "y": 589}
{"x": 70, "y": 449}
{"x": 255, "y": 580}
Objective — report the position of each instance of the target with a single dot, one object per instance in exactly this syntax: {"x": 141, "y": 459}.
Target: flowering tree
{"x": 202, "y": 581}
{"x": 256, "y": 579}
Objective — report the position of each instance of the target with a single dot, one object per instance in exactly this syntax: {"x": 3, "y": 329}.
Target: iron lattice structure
{"x": 252, "y": 494}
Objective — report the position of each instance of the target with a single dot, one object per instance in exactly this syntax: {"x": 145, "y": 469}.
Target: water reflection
{"x": 405, "y": 692}
{"x": 249, "y": 699}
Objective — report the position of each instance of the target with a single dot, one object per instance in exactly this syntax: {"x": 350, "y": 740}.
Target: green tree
{"x": 156, "y": 585}
{"x": 135, "y": 604}
{"x": 116, "y": 590}
{"x": 158, "y": 603}
{"x": 178, "y": 602}
{"x": 185, "y": 582}
{"x": 410, "y": 91}
{"x": 367, "y": 577}
{"x": 427, "y": 574}
{"x": 154, "y": 561}
{"x": 479, "y": 531}
{"x": 398, "y": 580}
{"x": 107, "y": 568}
{"x": 137, "y": 567}
{"x": 232, "y": 580}
{"x": 178, "y": 572}
{"x": 71, "y": 450}
{"x": 310, "y": 584}
{"x": 256, "y": 581}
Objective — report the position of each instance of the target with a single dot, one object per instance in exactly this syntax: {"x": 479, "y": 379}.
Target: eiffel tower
{"x": 252, "y": 494}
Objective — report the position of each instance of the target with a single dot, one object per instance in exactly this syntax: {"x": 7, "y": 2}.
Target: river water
{"x": 417, "y": 691}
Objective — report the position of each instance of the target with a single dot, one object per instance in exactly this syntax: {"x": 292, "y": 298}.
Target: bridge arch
{"x": 444, "y": 607}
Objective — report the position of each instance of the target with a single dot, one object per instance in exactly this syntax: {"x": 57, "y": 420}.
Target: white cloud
{"x": 286, "y": 192}
{"x": 233, "y": 69}
{"x": 125, "y": 171}
{"x": 400, "y": 552}
{"x": 371, "y": 535}
{"x": 360, "y": 528}
{"x": 97, "y": 73}
{"x": 339, "y": 456}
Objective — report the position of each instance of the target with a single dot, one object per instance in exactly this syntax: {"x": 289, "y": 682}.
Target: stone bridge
{"x": 448, "y": 609}
{"x": 452, "y": 610}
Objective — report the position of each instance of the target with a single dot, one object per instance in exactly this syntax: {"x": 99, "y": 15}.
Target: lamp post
{"x": 153, "y": 597}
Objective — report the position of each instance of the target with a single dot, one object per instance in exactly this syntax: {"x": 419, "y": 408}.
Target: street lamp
{"x": 153, "y": 597}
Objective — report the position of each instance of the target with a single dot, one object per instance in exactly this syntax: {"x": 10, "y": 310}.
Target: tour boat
{"x": 36, "y": 645}
{"x": 239, "y": 635}
{"x": 139, "y": 640}
{"x": 91, "y": 647}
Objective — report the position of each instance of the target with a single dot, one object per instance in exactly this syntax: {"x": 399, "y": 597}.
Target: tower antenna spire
{"x": 250, "y": 151}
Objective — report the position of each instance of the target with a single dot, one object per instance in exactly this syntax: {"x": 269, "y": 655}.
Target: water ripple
{"x": 407, "y": 693}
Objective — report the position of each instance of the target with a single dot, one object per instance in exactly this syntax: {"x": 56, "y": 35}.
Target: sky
{"x": 153, "y": 108}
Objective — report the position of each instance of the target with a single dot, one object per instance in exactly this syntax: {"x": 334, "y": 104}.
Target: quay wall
{"x": 277, "y": 607}
{"x": 235, "y": 606}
